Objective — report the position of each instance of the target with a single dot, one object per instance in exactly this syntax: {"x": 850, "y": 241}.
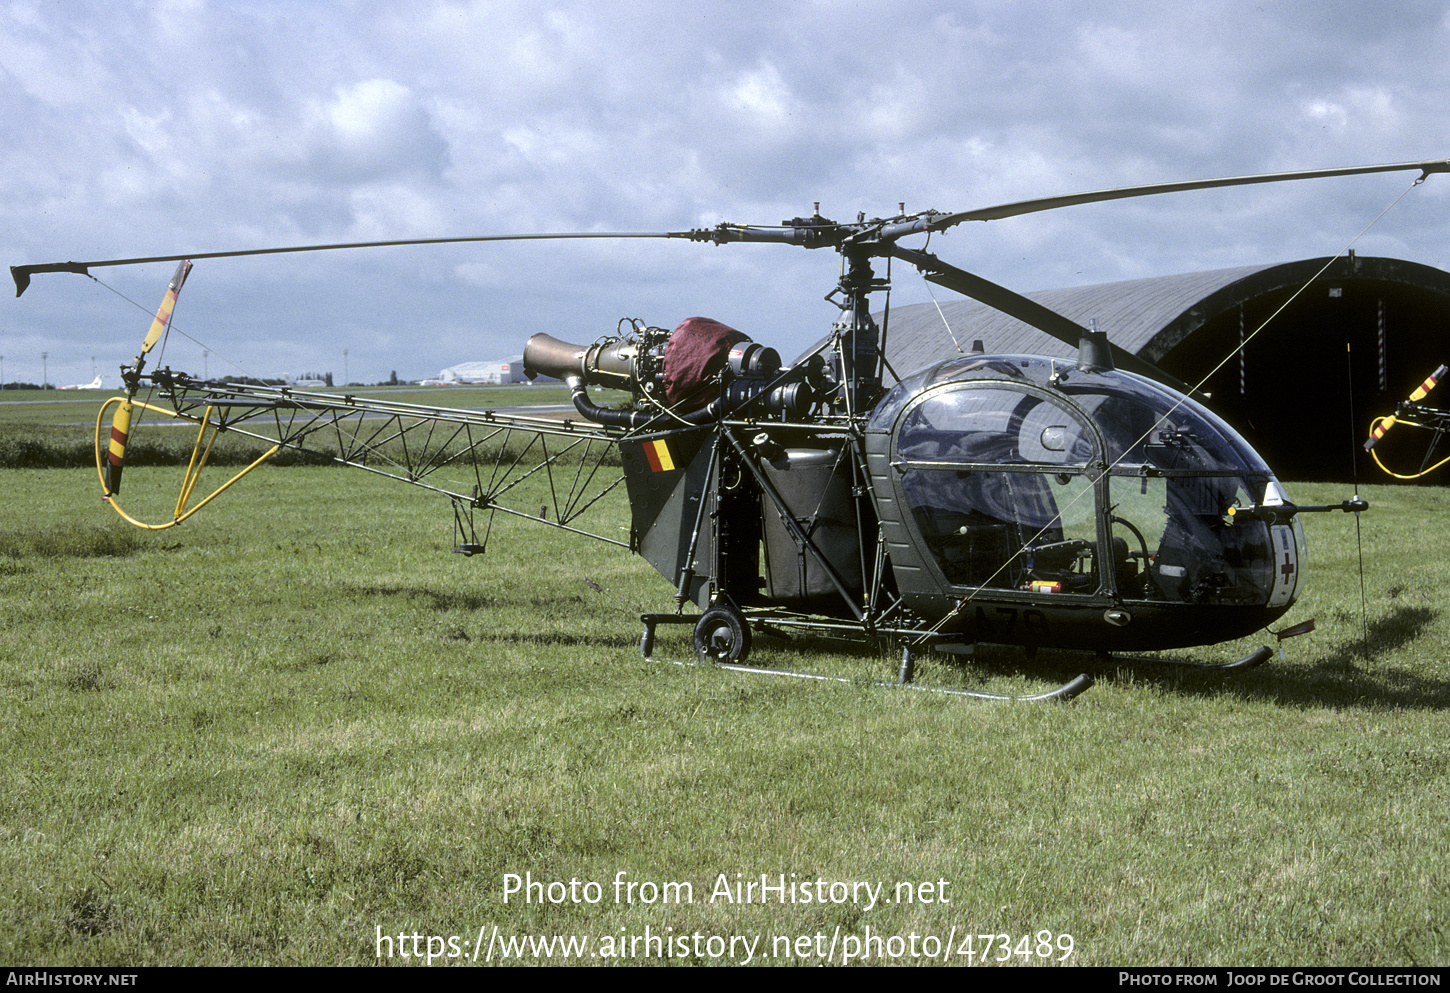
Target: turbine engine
{"x": 697, "y": 371}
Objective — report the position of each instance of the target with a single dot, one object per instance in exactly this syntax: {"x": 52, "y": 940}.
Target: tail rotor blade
{"x": 113, "y": 460}
{"x": 168, "y": 304}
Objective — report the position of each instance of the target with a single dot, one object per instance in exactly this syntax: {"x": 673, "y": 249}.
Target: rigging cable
{"x": 171, "y": 326}
{"x": 945, "y": 323}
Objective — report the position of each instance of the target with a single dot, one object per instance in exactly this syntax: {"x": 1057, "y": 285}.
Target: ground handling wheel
{"x": 722, "y": 635}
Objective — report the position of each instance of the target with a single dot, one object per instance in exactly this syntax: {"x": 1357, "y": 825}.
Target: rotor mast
{"x": 857, "y": 335}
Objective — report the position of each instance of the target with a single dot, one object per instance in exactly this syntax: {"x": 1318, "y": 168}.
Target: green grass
{"x": 298, "y": 721}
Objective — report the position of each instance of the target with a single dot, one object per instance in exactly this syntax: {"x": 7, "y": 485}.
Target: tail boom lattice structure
{"x": 477, "y": 458}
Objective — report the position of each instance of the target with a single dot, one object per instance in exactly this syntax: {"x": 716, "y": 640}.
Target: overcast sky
{"x": 150, "y": 128}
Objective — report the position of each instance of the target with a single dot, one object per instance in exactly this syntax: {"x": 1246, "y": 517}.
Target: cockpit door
{"x": 1002, "y": 487}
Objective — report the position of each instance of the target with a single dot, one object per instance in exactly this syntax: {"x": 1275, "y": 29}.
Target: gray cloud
{"x": 192, "y": 126}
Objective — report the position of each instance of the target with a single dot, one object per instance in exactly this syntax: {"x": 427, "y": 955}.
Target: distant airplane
{"x": 94, "y": 384}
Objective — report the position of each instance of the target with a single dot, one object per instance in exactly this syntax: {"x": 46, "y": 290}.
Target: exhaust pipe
{"x": 610, "y": 363}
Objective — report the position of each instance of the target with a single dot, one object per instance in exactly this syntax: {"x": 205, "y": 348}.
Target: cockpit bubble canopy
{"x": 1026, "y": 473}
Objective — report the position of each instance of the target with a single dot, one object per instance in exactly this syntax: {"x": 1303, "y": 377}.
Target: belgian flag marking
{"x": 658, "y": 454}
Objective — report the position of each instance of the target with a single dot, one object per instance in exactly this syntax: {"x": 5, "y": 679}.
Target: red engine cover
{"x": 696, "y": 351}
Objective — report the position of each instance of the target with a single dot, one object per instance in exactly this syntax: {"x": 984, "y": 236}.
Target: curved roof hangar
{"x": 1277, "y": 347}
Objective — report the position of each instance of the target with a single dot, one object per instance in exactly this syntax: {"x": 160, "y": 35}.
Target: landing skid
{"x": 722, "y": 640}
{"x": 1250, "y": 661}
{"x": 1066, "y": 691}
{"x": 719, "y": 642}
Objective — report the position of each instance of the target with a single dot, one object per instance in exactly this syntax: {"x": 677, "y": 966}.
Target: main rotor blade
{"x": 1153, "y": 189}
{"x": 1026, "y": 310}
{"x": 22, "y": 273}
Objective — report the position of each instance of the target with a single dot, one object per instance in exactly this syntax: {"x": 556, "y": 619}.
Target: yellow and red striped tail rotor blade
{"x": 1427, "y": 385}
{"x": 168, "y": 303}
{"x": 116, "y": 451}
{"x": 1380, "y": 427}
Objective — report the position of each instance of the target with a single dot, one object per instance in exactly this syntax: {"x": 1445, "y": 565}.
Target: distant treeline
{"x": 319, "y": 377}
{"x": 248, "y": 380}
{"x": 51, "y": 449}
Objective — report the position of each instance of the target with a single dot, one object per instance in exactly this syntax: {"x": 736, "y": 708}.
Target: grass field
{"x": 297, "y": 726}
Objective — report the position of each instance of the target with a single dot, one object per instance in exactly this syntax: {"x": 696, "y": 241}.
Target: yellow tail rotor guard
{"x": 111, "y": 458}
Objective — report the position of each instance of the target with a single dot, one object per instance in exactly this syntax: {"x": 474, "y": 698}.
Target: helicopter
{"x": 1006, "y": 499}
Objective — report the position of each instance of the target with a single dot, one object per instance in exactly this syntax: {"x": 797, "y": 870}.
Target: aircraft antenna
{"x": 1354, "y": 475}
